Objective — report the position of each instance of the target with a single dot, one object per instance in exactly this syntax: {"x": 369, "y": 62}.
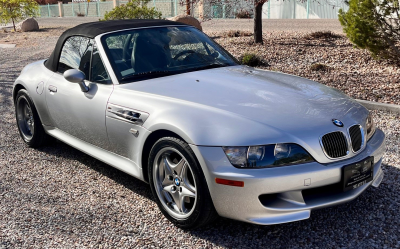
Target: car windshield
{"x": 155, "y": 52}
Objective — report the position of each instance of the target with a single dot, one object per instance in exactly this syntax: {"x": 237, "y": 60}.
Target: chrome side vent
{"x": 335, "y": 144}
{"x": 128, "y": 115}
{"x": 356, "y": 137}
{"x": 125, "y": 114}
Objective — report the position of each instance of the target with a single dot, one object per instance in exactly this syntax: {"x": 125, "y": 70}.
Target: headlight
{"x": 370, "y": 126}
{"x": 267, "y": 156}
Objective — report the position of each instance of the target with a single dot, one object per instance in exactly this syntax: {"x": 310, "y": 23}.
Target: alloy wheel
{"x": 174, "y": 183}
{"x": 25, "y": 119}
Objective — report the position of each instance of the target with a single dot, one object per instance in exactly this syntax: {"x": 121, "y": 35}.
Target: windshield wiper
{"x": 147, "y": 74}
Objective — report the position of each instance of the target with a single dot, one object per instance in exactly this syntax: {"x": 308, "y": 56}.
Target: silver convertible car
{"x": 164, "y": 103}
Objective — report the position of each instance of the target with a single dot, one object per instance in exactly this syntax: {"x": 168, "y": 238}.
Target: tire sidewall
{"x": 23, "y": 94}
{"x": 198, "y": 175}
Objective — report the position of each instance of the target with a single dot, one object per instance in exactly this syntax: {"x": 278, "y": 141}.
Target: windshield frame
{"x": 117, "y": 75}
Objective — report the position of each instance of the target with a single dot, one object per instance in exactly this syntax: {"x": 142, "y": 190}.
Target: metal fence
{"x": 280, "y": 9}
{"x": 50, "y": 10}
{"x": 273, "y": 9}
{"x": 310, "y": 9}
{"x": 168, "y": 8}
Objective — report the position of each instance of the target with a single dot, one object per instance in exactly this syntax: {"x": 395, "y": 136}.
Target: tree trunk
{"x": 15, "y": 30}
{"x": 188, "y": 7}
{"x": 258, "y": 22}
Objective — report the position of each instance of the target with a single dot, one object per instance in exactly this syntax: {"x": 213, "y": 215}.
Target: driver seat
{"x": 147, "y": 56}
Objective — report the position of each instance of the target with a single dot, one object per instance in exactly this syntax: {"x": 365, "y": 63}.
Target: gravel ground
{"x": 59, "y": 197}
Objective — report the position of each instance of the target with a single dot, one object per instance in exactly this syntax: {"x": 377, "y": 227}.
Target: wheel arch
{"x": 148, "y": 144}
{"x": 18, "y": 86}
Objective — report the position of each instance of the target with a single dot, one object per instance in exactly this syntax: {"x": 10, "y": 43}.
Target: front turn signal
{"x": 229, "y": 182}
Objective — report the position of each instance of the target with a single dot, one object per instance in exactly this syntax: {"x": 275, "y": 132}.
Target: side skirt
{"x": 122, "y": 163}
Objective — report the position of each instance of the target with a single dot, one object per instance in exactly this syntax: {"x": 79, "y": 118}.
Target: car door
{"x": 80, "y": 114}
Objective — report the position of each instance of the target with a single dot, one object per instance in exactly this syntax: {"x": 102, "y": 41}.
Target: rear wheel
{"x": 29, "y": 125}
{"x": 179, "y": 185}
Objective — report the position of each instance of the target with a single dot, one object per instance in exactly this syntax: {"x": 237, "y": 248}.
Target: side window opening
{"x": 84, "y": 65}
{"x": 76, "y": 54}
{"x": 99, "y": 73}
{"x": 81, "y": 53}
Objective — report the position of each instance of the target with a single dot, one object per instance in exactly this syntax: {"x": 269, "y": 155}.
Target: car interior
{"x": 143, "y": 51}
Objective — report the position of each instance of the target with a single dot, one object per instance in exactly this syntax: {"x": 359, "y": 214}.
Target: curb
{"x": 379, "y": 106}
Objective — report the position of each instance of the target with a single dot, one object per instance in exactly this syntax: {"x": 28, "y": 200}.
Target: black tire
{"x": 34, "y": 136}
{"x": 202, "y": 211}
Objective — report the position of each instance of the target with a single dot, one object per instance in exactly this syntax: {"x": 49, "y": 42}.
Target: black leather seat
{"x": 149, "y": 56}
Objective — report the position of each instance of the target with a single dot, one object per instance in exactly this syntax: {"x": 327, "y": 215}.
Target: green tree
{"x": 134, "y": 9}
{"x": 15, "y": 10}
{"x": 374, "y": 25}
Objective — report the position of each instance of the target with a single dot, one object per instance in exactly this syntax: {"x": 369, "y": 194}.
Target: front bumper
{"x": 282, "y": 194}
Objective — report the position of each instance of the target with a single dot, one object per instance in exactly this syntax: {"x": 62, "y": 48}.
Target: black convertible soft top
{"x": 93, "y": 29}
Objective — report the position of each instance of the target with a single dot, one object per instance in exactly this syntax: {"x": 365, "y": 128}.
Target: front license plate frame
{"x": 358, "y": 174}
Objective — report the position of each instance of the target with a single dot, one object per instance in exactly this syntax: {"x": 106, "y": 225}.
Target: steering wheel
{"x": 102, "y": 76}
{"x": 183, "y": 53}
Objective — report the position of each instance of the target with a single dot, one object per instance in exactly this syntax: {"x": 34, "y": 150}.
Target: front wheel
{"x": 179, "y": 185}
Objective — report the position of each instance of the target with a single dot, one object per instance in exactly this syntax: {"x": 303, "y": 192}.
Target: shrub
{"x": 320, "y": 67}
{"x": 243, "y": 14}
{"x": 237, "y": 33}
{"x": 135, "y": 9}
{"x": 374, "y": 25}
{"x": 322, "y": 35}
{"x": 252, "y": 60}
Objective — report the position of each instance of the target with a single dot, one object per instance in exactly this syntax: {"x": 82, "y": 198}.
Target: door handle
{"x": 52, "y": 89}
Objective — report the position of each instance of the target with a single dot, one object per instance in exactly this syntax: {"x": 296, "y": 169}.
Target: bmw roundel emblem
{"x": 177, "y": 182}
{"x": 337, "y": 122}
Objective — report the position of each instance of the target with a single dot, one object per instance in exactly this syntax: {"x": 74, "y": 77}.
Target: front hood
{"x": 284, "y": 102}
{"x": 241, "y": 106}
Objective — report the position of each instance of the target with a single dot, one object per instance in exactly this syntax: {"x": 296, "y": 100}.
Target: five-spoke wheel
{"x": 174, "y": 182}
{"x": 178, "y": 184}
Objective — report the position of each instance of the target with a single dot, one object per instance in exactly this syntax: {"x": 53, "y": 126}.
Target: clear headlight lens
{"x": 282, "y": 151}
{"x": 267, "y": 156}
{"x": 370, "y": 126}
{"x": 256, "y": 153}
{"x": 237, "y": 155}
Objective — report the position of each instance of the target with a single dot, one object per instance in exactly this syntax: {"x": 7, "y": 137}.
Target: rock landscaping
{"x": 186, "y": 19}
{"x": 29, "y": 24}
